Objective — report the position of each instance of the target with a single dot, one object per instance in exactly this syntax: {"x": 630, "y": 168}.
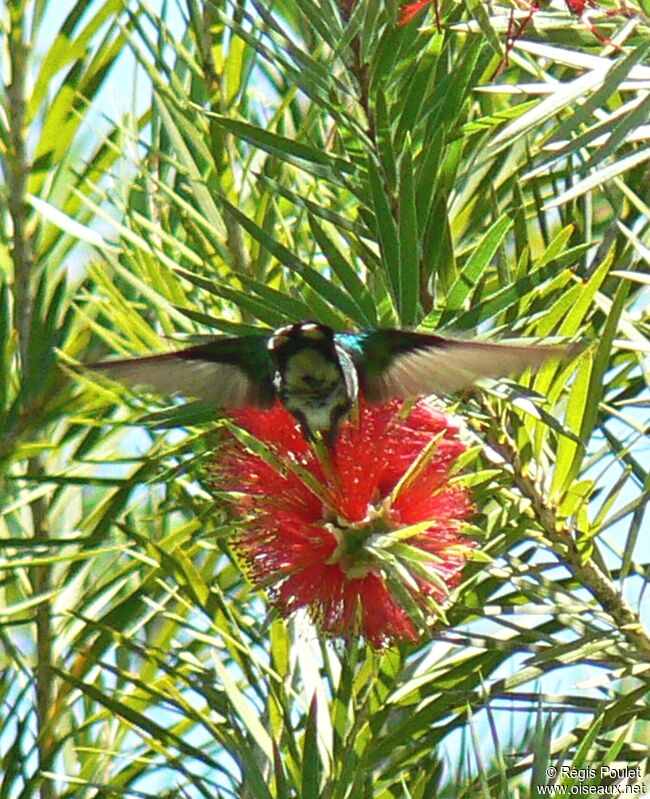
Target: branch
{"x": 18, "y": 170}
{"x": 17, "y": 175}
{"x": 564, "y": 537}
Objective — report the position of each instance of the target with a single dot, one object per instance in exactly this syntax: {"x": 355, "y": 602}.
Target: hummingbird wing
{"x": 226, "y": 372}
{"x": 397, "y": 363}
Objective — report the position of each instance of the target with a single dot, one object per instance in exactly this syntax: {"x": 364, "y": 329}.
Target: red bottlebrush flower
{"x": 366, "y": 537}
{"x": 411, "y": 10}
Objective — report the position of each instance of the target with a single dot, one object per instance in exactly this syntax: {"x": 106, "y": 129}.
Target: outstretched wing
{"x": 396, "y": 363}
{"x": 226, "y": 372}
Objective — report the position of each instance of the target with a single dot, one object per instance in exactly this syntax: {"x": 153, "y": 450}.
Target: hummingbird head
{"x": 314, "y": 379}
{"x": 289, "y": 340}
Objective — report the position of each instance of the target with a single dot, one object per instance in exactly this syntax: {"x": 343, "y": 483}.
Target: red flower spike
{"x": 411, "y": 10}
{"x": 325, "y": 536}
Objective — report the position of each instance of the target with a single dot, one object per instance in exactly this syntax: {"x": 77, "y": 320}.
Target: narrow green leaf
{"x": 501, "y": 300}
{"x": 470, "y": 274}
{"x": 385, "y": 139}
{"x": 387, "y": 232}
{"x": 569, "y": 453}
{"x": 68, "y": 224}
{"x": 246, "y": 712}
{"x": 281, "y": 784}
{"x": 310, "y": 786}
{"x": 356, "y": 288}
{"x": 599, "y": 177}
{"x": 408, "y": 240}
{"x": 337, "y": 298}
{"x": 122, "y": 709}
{"x": 564, "y": 97}
{"x": 281, "y": 146}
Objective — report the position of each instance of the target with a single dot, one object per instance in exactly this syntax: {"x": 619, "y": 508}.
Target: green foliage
{"x": 293, "y": 160}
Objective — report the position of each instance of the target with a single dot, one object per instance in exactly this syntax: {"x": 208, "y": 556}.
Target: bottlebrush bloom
{"x": 406, "y": 13}
{"x": 411, "y": 10}
{"x": 366, "y": 537}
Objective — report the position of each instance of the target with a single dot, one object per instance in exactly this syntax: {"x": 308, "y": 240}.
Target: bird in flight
{"x": 318, "y": 374}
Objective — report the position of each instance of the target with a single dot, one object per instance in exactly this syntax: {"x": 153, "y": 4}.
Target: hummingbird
{"x": 318, "y": 374}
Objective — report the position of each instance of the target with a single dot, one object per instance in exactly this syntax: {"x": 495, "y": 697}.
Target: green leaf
{"x": 470, "y": 274}
{"x": 281, "y": 146}
{"x": 387, "y": 233}
{"x": 310, "y": 786}
{"x": 366, "y": 312}
{"x": 407, "y": 233}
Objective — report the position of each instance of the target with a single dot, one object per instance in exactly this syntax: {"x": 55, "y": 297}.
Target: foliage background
{"x": 305, "y": 159}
